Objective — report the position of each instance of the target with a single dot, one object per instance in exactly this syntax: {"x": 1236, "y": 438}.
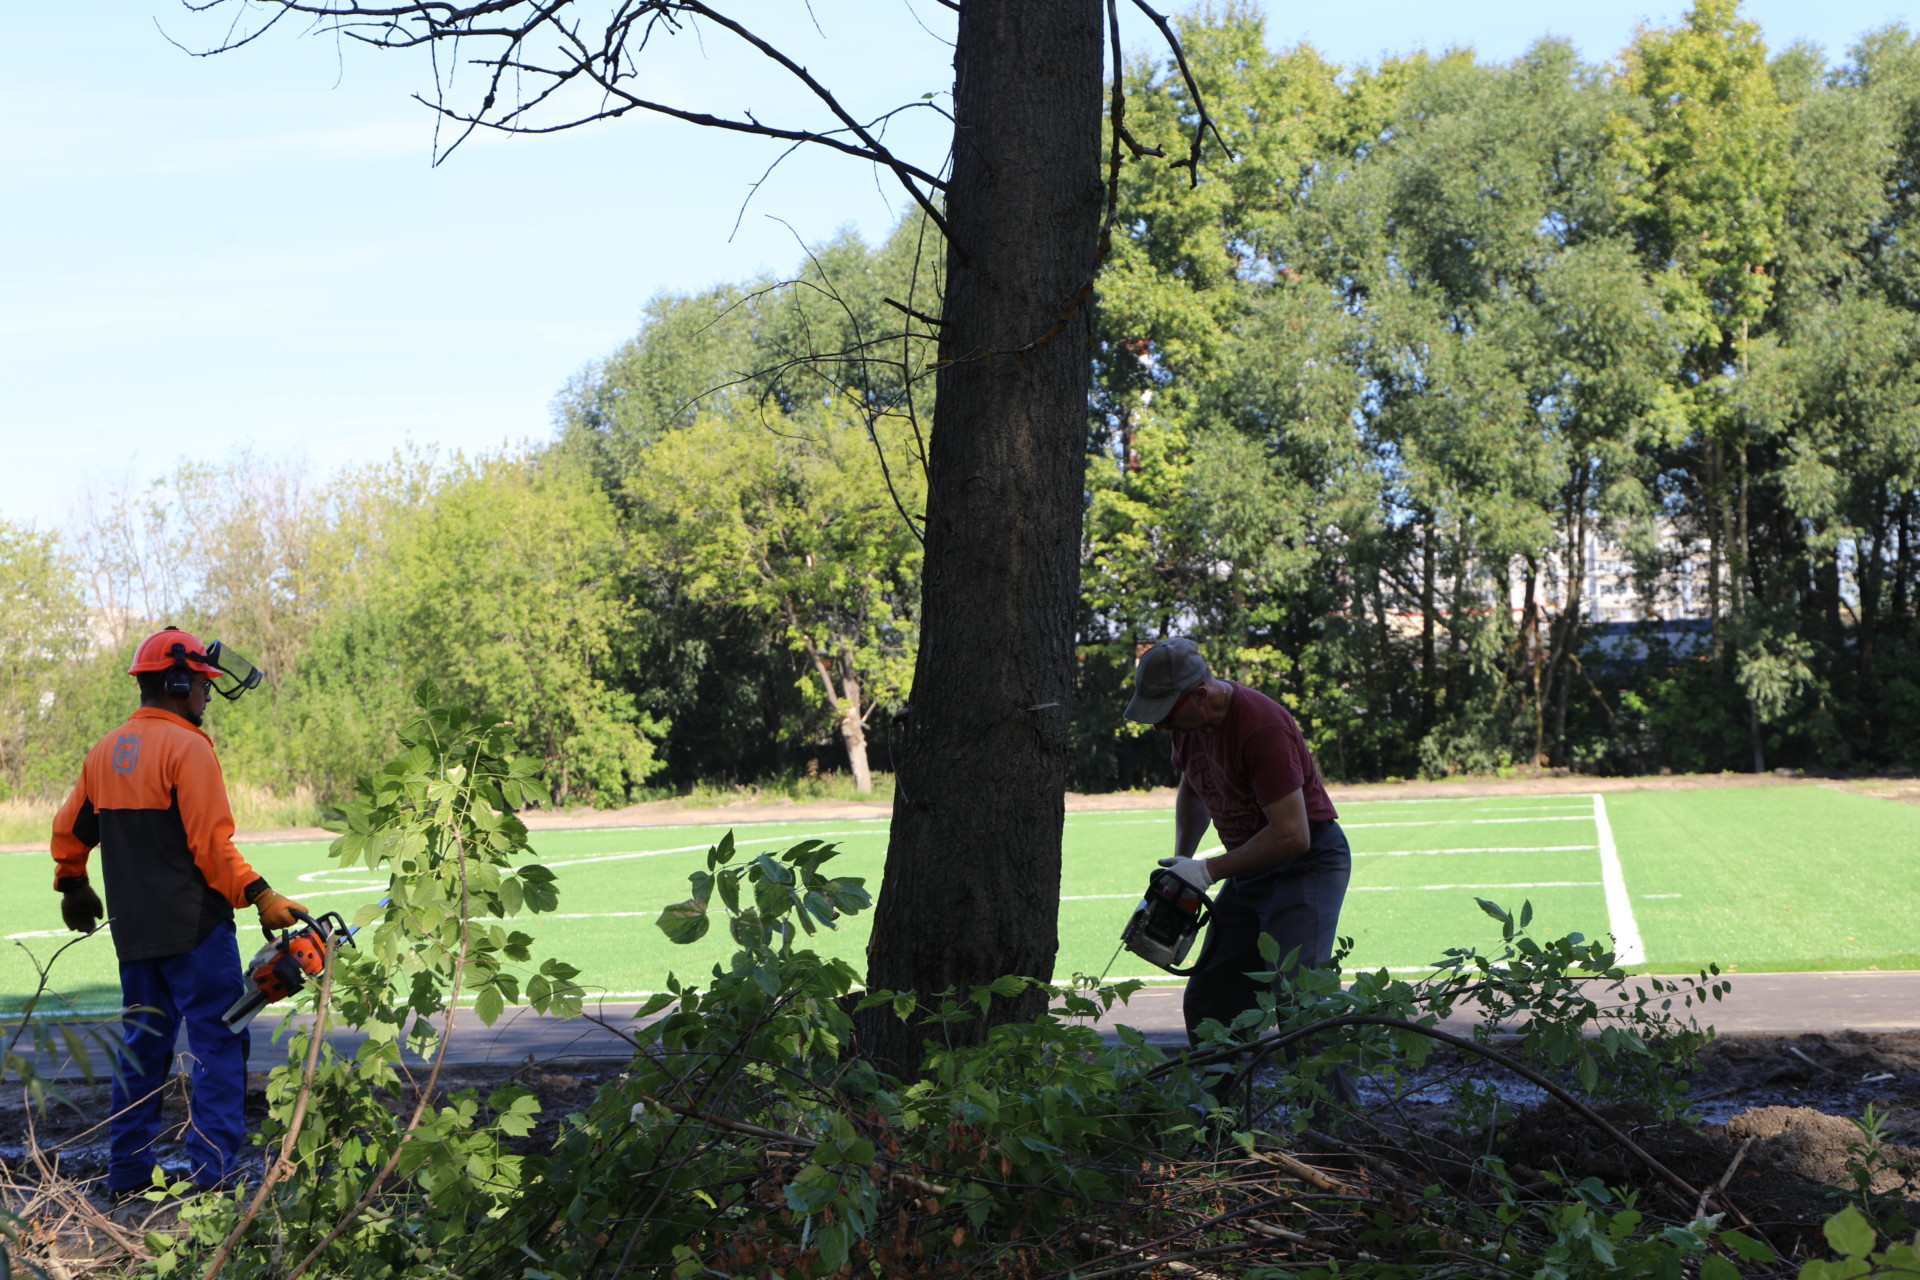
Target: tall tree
{"x": 790, "y": 519}
{"x": 973, "y": 865}
{"x": 43, "y": 623}
{"x": 1708, "y": 158}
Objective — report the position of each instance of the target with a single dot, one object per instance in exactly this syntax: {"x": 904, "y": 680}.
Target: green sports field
{"x": 1762, "y": 879}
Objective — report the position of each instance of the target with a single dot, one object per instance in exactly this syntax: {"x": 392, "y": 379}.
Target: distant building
{"x": 1626, "y": 620}
{"x": 1620, "y": 621}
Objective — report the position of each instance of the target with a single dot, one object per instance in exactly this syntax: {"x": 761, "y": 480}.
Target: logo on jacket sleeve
{"x": 126, "y": 752}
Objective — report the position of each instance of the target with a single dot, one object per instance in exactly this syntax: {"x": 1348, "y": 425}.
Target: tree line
{"x": 1363, "y": 401}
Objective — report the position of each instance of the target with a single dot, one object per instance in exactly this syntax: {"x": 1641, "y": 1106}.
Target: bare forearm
{"x": 1190, "y": 822}
{"x": 1269, "y": 848}
{"x": 1286, "y": 836}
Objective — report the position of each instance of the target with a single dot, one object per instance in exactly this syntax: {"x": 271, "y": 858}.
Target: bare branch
{"x": 606, "y": 63}
{"x": 1192, "y": 163}
{"x": 921, "y": 316}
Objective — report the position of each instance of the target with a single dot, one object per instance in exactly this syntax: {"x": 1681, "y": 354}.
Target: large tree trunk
{"x": 972, "y": 880}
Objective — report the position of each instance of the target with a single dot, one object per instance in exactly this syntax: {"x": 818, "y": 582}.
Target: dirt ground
{"x": 1774, "y": 1119}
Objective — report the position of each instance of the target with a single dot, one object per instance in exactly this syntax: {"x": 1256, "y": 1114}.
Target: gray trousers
{"x": 1298, "y": 905}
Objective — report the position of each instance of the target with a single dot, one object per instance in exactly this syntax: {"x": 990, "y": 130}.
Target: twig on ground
{"x": 1700, "y": 1210}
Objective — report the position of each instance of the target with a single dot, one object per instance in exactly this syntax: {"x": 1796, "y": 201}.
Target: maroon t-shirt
{"x": 1257, "y": 755}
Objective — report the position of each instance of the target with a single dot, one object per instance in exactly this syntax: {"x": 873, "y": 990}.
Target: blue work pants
{"x": 194, "y": 987}
{"x": 1297, "y": 905}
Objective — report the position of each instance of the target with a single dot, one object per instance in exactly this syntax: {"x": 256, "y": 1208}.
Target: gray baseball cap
{"x": 1166, "y": 671}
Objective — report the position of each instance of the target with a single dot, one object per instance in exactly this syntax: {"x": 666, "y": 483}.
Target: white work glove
{"x": 1192, "y": 870}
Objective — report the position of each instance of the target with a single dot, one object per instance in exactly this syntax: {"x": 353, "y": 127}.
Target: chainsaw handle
{"x": 299, "y": 915}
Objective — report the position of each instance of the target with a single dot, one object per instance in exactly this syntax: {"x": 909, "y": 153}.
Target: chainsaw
{"x": 283, "y": 966}
{"x": 1166, "y": 922}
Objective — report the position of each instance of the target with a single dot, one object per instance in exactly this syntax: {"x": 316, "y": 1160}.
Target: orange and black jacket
{"x": 152, "y": 798}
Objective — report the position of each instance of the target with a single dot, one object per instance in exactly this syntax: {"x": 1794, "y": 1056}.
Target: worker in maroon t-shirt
{"x": 1244, "y": 768}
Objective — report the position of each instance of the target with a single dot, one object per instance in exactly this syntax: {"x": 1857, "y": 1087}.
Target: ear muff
{"x": 179, "y": 679}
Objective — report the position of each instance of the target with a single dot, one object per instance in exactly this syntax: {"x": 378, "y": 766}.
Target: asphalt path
{"x": 1758, "y": 1004}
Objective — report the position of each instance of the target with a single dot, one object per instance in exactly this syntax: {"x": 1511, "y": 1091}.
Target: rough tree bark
{"x": 973, "y": 863}
{"x": 973, "y": 868}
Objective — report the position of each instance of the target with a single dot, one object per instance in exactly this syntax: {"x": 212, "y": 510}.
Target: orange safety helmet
{"x": 168, "y": 647}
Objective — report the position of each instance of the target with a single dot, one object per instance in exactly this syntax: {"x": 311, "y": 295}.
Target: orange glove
{"x": 276, "y": 910}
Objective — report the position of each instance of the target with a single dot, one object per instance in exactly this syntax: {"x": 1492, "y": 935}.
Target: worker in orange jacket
{"x": 152, "y": 799}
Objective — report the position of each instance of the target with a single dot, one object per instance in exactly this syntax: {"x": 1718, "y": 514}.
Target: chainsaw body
{"x": 283, "y": 966}
{"x": 1162, "y": 928}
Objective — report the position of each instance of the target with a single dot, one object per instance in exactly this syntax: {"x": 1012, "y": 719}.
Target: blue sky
{"x": 255, "y": 251}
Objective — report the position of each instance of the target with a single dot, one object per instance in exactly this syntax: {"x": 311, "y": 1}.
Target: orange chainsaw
{"x": 283, "y": 966}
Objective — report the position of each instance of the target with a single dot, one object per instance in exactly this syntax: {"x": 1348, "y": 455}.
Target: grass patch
{"x": 258, "y": 809}
{"x": 25, "y": 818}
{"x": 796, "y": 787}
{"x": 29, "y": 819}
{"x": 1772, "y": 878}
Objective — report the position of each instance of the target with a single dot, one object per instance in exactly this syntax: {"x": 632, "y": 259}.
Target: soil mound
{"x": 1819, "y": 1147}
{"x": 1774, "y": 1185}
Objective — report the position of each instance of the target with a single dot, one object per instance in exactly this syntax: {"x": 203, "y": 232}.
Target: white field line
{"x": 317, "y": 877}
{"x": 1504, "y": 848}
{"x": 1427, "y": 888}
{"x": 1380, "y": 888}
{"x": 1571, "y": 797}
{"x": 1628, "y": 949}
{"x": 1485, "y": 808}
{"x": 1469, "y": 822}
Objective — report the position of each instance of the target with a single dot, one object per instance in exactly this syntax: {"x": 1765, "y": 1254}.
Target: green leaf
{"x": 1749, "y": 1249}
{"x": 1849, "y": 1232}
{"x": 772, "y": 900}
{"x": 488, "y": 1004}
{"x": 538, "y": 888}
{"x": 511, "y": 897}
{"x": 654, "y": 1004}
{"x": 749, "y": 930}
{"x": 832, "y": 1242}
{"x": 684, "y": 922}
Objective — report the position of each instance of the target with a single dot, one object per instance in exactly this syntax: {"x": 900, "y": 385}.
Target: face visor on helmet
{"x": 237, "y": 675}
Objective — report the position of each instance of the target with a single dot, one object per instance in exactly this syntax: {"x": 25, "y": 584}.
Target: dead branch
{"x": 426, "y": 1094}
{"x": 1268, "y": 1045}
{"x": 283, "y": 1166}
